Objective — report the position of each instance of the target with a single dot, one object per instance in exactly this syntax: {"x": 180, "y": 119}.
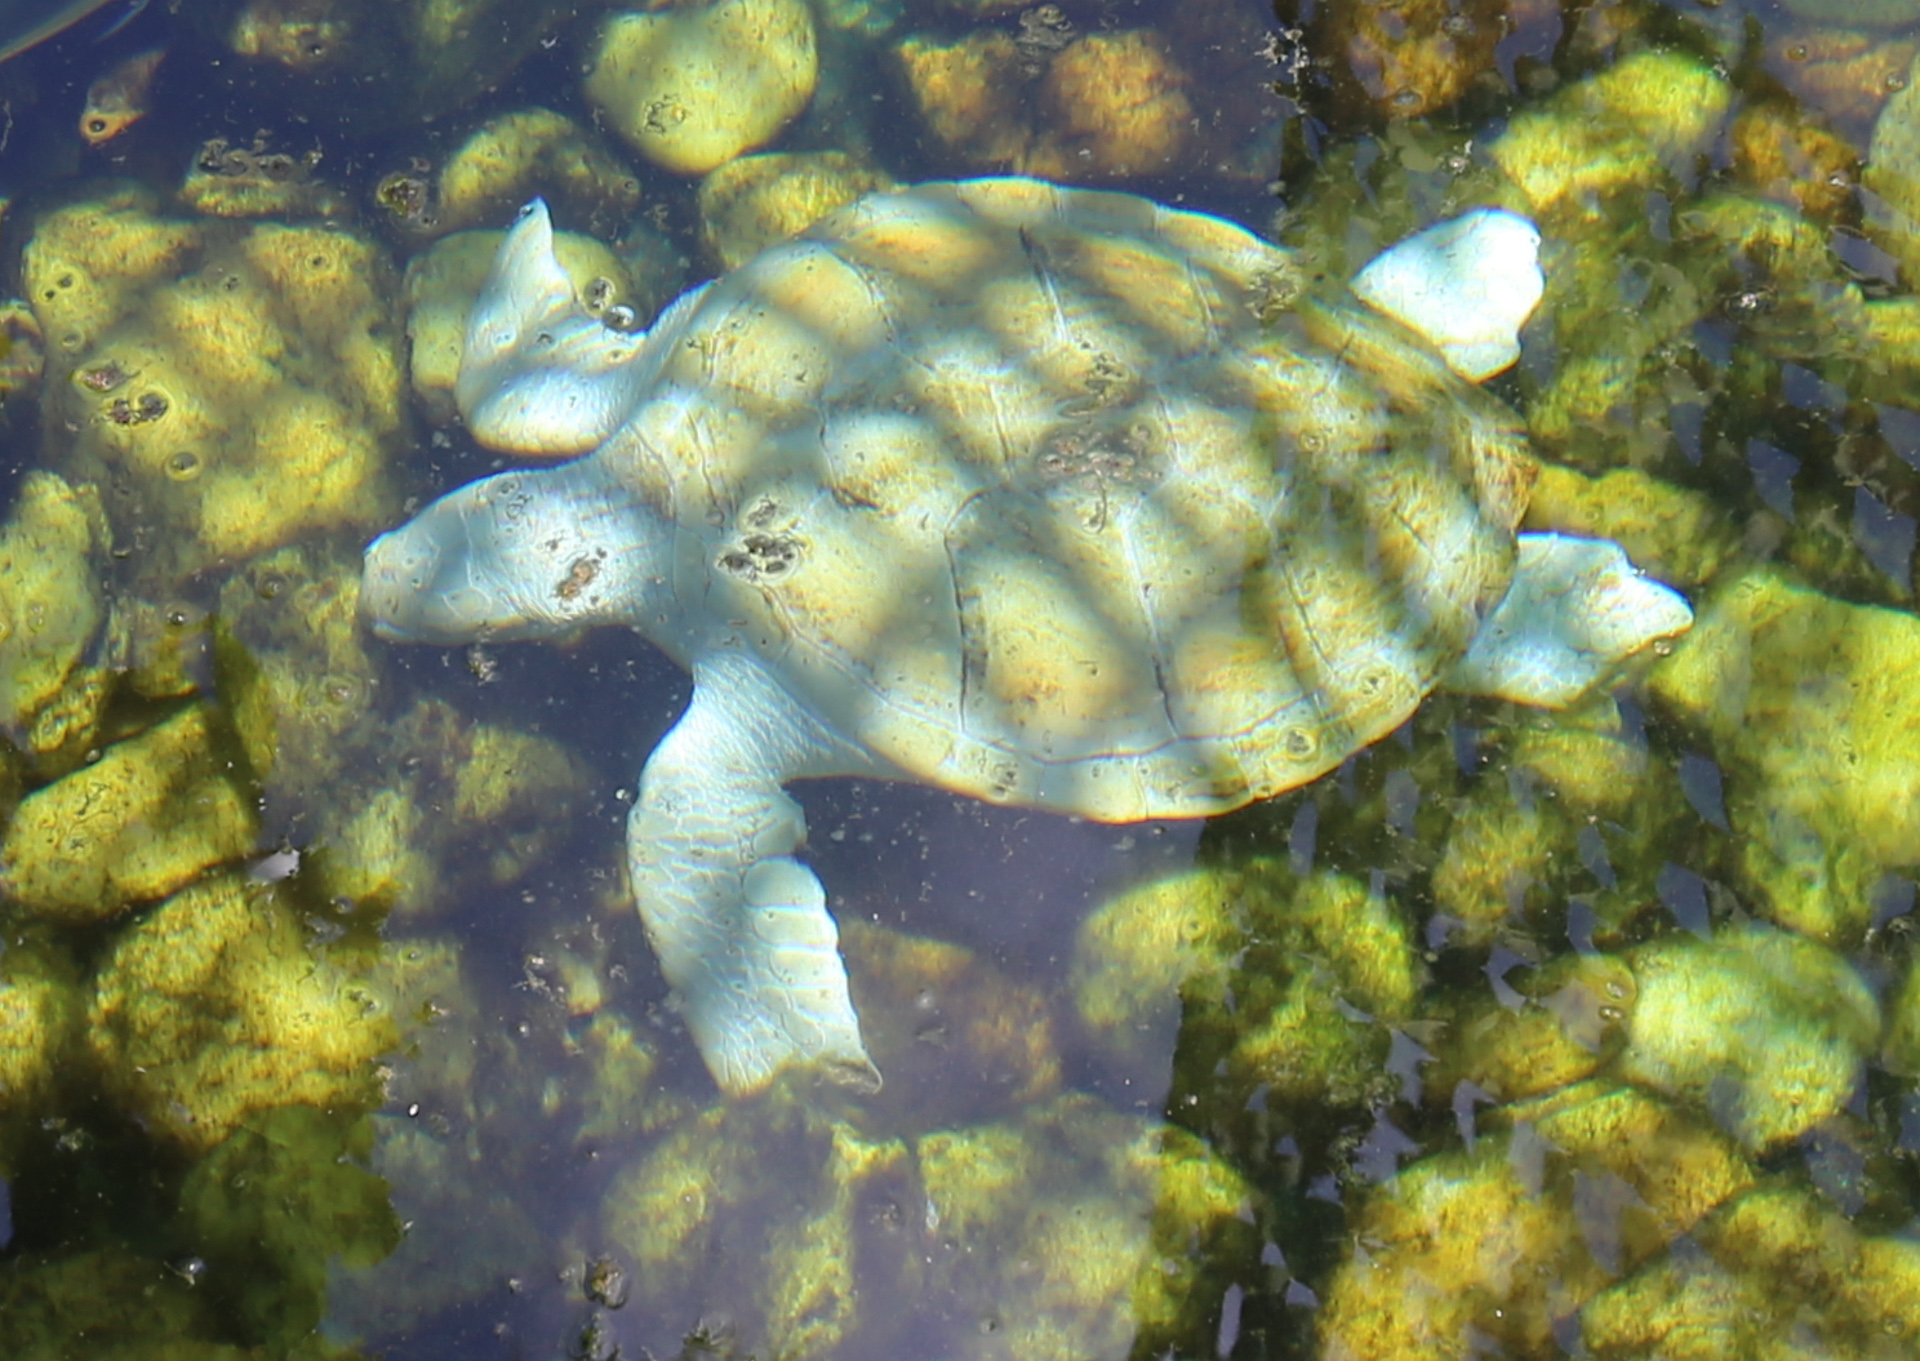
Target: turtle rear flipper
{"x": 1576, "y": 608}
{"x": 741, "y": 927}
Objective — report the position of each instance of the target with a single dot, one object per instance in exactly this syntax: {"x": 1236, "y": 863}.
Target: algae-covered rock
{"x": 427, "y": 806}
{"x": 1318, "y": 989}
{"x": 1496, "y": 1244}
{"x": 1637, "y": 126}
{"x": 1068, "y": 1231}
{"x": 1808, "y": 703}
{"x": 693, "y": 85}
{"x": 969, "y": 95}
{"x": 1901, "y": 1051}
{"x": 1766, "y": 1030}
{"x": 297, "y": 678}
{"x": 1892, "y": 175}
{"x": 219, "y": 1006}
{"x": 1775, "y": 1276}
{"x": 1671, "y": 533}
{"x": 128, "y": 1308}
{"x": 52, "y": 605}
{"x": 1112, "y": 106}
{"x": 1412, "y": 59}
{"x": 40, "y": 1015}
{"x": 235, "y": 385}
{"x": 1290, "y": 982}
{"x": 227, "y": 179}
{"x": 281, "y": 1202}
{"x": 960, "y": 1041}
{"x": 1137, "y": 954}
{"x": 1568, "y": 806}
{"x": 1560, "y": 1025}
{"x": 755, "y": 202}
{"x": 779, "y": 1215}
{"x": 524, "y": 153}
{"x": 146, "y": 818}
{"x": 1080, "y": 1232}
{"x": 372, "y": 64}
{"x": 1052, "y": 102}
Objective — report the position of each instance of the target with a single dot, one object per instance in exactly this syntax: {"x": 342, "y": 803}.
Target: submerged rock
{"x": 52, "y": 610}
{"x": 148, "y": 817}
{"x": 373, "y": 64}
{"x": 1070, "y": 1231}
{"x": 692, "y": 86}
{"x": 519, "y": 155}
{"x": 1767, "y": 1031}
{"x": 1503, "y": 1240}
{"x": 754, "y": 202}
{"x": 1807, "y": 701}
{"x": 234, "y": 385}
{"x": 219, "y": 1006}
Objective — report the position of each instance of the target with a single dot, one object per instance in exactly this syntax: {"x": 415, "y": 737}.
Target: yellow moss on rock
{"x": 1807, "y": 701}
{"x": 149, "y": 816}
{"x": 1768, "y": 1030}
{"x": 40, "y": 1014}
{"x": 1672, "y": 534}
{"x": 1777, "y": 1275}
{"x": 239, "y": 382}
{"x": 755, "y": 202}
{"x": 1112, "y": 106}
{"x": 1570, "y": 1020}
{"x": 1636, "y": 126}
{"x": 514, "y": 156}
{"x": 51, "y": 604}
{"x": 84, "y": 266}
{"x": 1570, "y": 1193}
{"x": 1102, "y": 1226}
{"x": 693, "y": 85}
{"x": 218, "y": 1005}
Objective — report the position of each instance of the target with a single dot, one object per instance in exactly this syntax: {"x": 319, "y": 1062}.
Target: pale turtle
{"x": 1053, "y": 497}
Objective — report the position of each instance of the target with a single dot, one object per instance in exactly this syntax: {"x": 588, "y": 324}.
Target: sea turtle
{"x": 1054, "y": 497}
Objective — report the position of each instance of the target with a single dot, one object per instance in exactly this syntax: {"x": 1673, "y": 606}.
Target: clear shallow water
{"x": 546, "y": 1111}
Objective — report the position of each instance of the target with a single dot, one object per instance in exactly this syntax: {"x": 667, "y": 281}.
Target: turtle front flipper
{"x": 1576, "y": 608}
{"x": 540, "y": 374}
{"x": 741, "y": 927}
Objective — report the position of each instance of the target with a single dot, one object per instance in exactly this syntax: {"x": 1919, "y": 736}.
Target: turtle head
{"x": 521, "y": 555}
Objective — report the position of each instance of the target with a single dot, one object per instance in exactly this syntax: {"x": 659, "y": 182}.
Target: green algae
{"x": 52, "y": 608}
{"x": 277, "y": 1204}
{"x": 1114, "y": 1217}
{"x": 1778, "y": 1275}
{"x": 147, "y": 818}
{"x": 1290, "y": 981}
{"x": 237, "y": 384}
{"x": 1806, "y": 701}
{"x": 1769, "y": 1031}
{"x": 212, "y": 1010}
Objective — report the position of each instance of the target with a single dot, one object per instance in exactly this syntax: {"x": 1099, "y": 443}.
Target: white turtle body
{"x": 1053, "y": 497}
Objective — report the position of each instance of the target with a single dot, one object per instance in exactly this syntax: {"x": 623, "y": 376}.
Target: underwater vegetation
{"x": 324, "y": 1026}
